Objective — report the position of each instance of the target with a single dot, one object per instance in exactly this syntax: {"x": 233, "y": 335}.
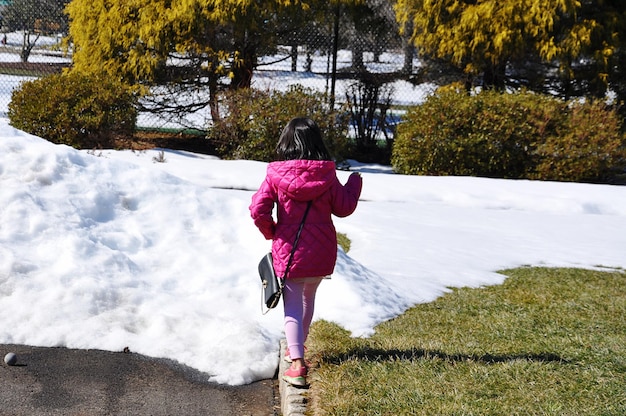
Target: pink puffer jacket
{"x": 290, "y": 185}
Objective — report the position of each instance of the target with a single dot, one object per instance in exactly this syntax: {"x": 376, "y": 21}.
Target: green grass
{"x": 344, "y": 242}
{"x": 546, "y": 342}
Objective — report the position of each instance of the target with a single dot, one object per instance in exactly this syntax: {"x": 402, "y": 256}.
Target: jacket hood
{"x": 302, "y": 180}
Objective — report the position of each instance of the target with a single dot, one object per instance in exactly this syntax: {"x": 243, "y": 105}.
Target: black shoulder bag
{"x": 272, "y": 288}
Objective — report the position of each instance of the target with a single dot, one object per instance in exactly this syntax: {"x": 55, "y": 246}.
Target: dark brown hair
{"x": 302, "y": 139}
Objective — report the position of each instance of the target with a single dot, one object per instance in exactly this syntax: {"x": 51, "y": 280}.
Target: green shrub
{"x": 589, "y": 149}
{"x": 255, "y": 119}
{"x": 488, "y": 134}
{"x": 521, "y": 135}
{"x": 83, "y": 111}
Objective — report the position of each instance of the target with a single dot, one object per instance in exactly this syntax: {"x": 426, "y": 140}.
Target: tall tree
{"x": 492, "y": 38}
{"x": 185, "y": 44}
{"x": 135, "y": 38}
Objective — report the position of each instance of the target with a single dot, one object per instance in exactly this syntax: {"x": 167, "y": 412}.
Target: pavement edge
{"x": 293, "y": 400}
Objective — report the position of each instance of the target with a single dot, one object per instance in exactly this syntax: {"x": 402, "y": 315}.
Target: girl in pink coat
{"x": 304, "y": 172}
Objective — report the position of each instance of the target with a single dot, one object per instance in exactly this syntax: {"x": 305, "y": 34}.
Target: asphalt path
{"x": 61, "y": 381}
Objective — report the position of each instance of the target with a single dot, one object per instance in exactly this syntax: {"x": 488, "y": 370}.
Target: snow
{"x": 113, "y": 249}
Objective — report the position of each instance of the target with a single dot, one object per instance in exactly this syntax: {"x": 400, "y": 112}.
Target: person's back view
{"x": 304, "y": 172}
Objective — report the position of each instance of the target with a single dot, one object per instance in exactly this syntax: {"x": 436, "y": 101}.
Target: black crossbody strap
{"x": 295, "y": 244}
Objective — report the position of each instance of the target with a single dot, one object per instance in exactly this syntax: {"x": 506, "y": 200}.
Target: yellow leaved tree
{"x": 584, "y": 40}
{"x": 182, "y": 43}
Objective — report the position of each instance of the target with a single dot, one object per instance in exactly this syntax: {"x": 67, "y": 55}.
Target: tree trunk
{"x": 213, "y": 101}
{"x": 245, "y": 61}
{"x": 27, "y": 46}
{"x": 357, "y": 56}
{"x": 408, "y": 48}
{"x": 335, "y": 47}
{"x": 493, "y": 77}
{"x": 294, "y": 57}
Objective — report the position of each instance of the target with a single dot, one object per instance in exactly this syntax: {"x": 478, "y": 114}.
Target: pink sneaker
{"x": 296, "y": 377}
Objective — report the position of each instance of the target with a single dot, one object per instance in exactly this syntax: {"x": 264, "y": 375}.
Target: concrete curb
{"x": 293, "y": 400}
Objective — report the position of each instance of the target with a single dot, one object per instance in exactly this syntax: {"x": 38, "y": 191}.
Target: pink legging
{"x": 299, "y": 302}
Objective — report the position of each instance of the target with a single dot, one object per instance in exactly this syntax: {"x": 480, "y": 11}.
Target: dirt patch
{"x": 32, "y": 69}
{"x": 143, "y": 140}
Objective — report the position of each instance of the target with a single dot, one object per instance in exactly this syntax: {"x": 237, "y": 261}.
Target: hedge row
{"x": 521, "y": 135}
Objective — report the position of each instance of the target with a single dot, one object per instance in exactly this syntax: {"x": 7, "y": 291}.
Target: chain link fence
{"x": 370, "y": 69}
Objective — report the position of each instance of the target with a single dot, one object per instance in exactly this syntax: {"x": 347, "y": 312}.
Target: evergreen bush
{"x": 521, "y": 135}
{"x": 590, "y": 148}
{"x": 255, "y": 119}
{"x": 83, "y": 111}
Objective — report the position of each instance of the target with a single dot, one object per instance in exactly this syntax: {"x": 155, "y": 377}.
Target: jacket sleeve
{"x": 261, "y": 210}
{"x": 346, "y": 197}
